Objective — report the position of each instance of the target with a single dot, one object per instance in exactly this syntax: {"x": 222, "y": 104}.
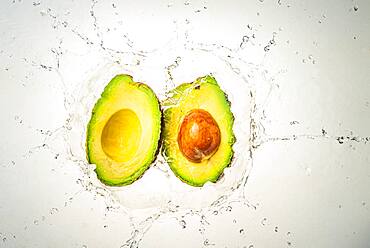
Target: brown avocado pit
{"x": 199, "y": 136}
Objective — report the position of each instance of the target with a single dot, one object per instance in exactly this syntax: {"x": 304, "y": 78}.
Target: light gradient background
{"x": 310, "y": 181}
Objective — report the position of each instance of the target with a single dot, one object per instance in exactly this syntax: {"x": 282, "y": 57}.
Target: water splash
{"x": 159, "y": 187}
{"x": 159, "y": 194}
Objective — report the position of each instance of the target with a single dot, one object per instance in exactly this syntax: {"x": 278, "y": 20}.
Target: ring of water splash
{"x": 162, "y": 70}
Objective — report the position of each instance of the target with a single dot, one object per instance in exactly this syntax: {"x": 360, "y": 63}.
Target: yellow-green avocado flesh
{"x": 204, "y": 94}
{"x": 124, "y": 131}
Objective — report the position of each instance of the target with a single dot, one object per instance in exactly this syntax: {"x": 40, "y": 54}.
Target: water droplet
{"x": 36, "y": 222}
{"x": 263, "y": 221}
{"x": 276, "y": 229}
{"x": 207, "y": 243}
{"x": 323, "y": 131}
{"x": 288, "y": 234}
{"x": 241, "y": 231}
{"x": 183, "y": 224}
{"x": 53, "y": 211}
{"x": 355, "y": 8}
{"x": 245, "y": 40}
{"x": 251, "y": 246}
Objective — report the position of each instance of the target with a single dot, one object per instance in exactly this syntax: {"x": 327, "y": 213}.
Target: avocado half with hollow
{"x": 123, "y": 132}
{"x": 198, "y": 131}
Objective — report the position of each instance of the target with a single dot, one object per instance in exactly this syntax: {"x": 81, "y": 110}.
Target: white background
{"x": 307, "y": 64}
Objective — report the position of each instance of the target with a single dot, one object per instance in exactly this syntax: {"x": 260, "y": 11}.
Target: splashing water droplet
{"x": 183, "y": 224}
{"x": 264, "y": 221}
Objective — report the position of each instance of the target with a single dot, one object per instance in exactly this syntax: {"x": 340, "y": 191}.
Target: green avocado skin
{"x": 169, "y": 103}
{"x": 105, "y": 96}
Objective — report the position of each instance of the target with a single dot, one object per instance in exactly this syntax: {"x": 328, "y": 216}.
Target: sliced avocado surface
{"x": 124, "y": 131}
{"x": 198, "y": 131}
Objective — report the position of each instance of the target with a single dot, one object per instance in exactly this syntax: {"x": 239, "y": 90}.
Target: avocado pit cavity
{"x": 199, "y": 136}
{"x": 121, "y": 135}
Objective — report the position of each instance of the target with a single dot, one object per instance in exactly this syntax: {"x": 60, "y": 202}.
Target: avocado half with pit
{"x": 198, "y": 131}
{"x": 123, "y": 132}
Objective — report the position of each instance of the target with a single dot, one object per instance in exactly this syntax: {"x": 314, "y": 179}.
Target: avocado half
{"x": 123, "y": 132}
{"x": 198, "y": 131}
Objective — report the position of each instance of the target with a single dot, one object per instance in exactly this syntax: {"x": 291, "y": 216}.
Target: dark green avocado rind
{"x": 108, "y": 90}
{"x": 177, "y": 94}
